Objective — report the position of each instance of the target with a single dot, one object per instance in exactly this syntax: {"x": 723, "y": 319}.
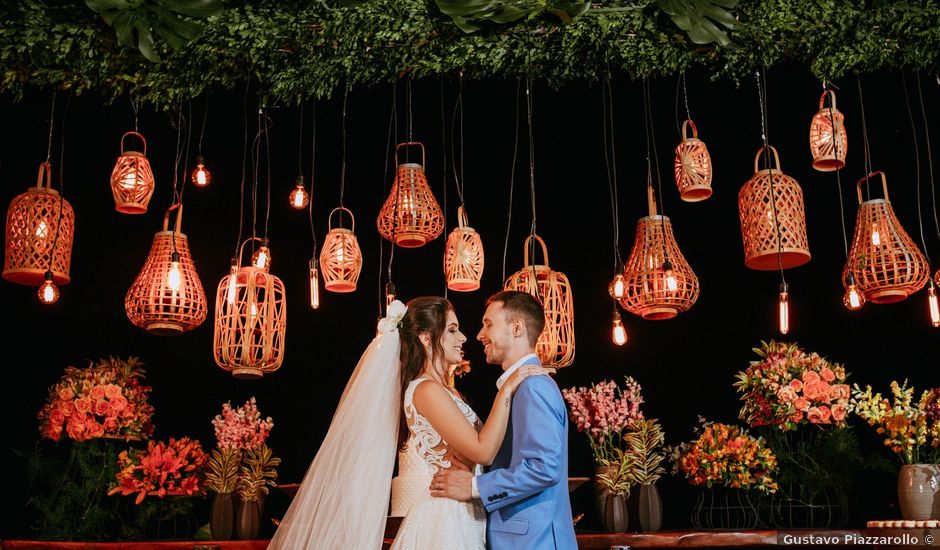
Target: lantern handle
{"x": 241, "y": 249}
{"x": 776, "y": 163}
{"x": 135, "y": 134}
{"x": 179, "y": 216}
{"x": 462, "y": 220}
{"x": 525, "y": 260}
{"x": 651, "y": 200}
{"x": 884, "y": 184}
{"x": 694, "y": 129}
{"x": 832, "y": 99}
{"x": 329, "y": 218}
{"x": 406, "y": 144}
{"x": 44, "y": 169}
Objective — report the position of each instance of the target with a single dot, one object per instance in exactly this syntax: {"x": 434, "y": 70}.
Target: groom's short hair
{"x": 522, "y": 305}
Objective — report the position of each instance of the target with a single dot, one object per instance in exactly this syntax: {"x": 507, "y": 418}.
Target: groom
{"x": 525, "y": 490}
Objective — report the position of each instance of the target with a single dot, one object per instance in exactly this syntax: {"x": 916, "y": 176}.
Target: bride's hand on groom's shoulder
{"x": 521, "y": 374}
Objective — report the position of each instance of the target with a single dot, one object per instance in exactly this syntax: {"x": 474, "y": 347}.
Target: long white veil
{"x": 343, "y": 500}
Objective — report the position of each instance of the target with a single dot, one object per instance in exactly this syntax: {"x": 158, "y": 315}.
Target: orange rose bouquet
{"x": 108, "y": 399}
{"x": 788, "y": 387}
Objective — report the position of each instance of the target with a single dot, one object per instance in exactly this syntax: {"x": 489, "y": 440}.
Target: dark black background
{"x": 685, "y": 365}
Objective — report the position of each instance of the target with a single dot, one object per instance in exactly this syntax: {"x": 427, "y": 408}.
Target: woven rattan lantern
{"x": 774, "y": 224}
{"x": 39, "y": 232}
{"x": 886, "y": 264}
{"x": 659, "y": 283}
{"x": 410, "y": 216}
{"x": 250, "y": 322}
{"x": 463, "y": 256}
{"x": 693, "y": 166}
{"x": 827, "y": 141}
{"x": 340, "y": 259}
{"x": 132, "y": 179}
{"x": 555, "y": 346}
{"x": 167, "y": 299}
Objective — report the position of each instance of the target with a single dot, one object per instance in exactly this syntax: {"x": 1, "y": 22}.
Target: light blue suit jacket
{"x": 525, "y": 490}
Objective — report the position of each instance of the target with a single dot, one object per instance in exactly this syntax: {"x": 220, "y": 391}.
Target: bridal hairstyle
{"x": 521, "y": 305}
{"x": 425, "y": 314}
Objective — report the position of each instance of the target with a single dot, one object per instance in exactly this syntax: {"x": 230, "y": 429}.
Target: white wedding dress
{"x": 434, "y": 523}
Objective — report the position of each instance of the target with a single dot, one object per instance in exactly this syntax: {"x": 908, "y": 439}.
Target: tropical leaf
{"x": 644, "y": 444}
{"x": 135, "y": 22}
{"x": 698, "y": 18}
{"x": 257, "y": 473}
{"x": 222, "y": 470}
{"x": 472, "y": 15}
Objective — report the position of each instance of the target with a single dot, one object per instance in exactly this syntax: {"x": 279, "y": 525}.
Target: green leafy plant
{"x": 618, "y": 480}
{"x": 136, "y": 21}
{"x": 258, "y": 473}
{"x": 698, "y": 18}
{"x": 472, "y": 15}
{"x": 644, "y": 444}
{"x": 222, "y": 470}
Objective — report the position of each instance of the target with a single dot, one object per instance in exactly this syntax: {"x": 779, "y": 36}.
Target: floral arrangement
{"x": 242, "y": 460}
{"x": 728, "y": 456}
{"x": 108, "y": 399}
{"x": 788, "y": 387}
{"x": 911, "y": 430}
{"x": 173, "y": 468}
{"x": 603, "y": 412}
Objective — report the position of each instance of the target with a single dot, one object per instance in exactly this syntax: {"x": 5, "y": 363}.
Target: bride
{"x": 398, "y": 387}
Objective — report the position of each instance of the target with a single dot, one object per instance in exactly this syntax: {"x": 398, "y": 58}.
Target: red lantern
{"x": 132, "y": 180}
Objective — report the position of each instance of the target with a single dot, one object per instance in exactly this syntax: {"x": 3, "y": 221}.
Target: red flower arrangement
{"x": 789, "y": 387}
{"x": 174, "y": 468}
{"x": 104, "y": 400}
{"x": 728, "y": 456}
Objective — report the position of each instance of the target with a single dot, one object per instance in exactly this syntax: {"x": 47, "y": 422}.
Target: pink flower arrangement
{"x": 789, "y": 387}
{"x": 241, "y": 428}
{"x": 603, "y": 412}
{"x": 105, "y": 400}
{"x": 174, "y": 468}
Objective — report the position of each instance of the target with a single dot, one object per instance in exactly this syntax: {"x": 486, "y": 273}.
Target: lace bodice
{"x": 425, "y": 446}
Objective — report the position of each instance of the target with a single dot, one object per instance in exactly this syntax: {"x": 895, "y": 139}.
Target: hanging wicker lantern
{"x": 555, "y": 346}
{"x": 152, "y": 303}
{"x": 659, "y": 283}
{"x": 463, "y": 256}
{"x": 764, "y": 220}
{"x": 886, "y": 264}
{"x": 410, "y": 216}
{"x": 340, "y": 259}
{"x": 132, "y": 179}
{"x": 693, "y": 166}
{"x": 250, "y": 322}
{"x": 39, "y": 232}
{"x": 828, "y": 142}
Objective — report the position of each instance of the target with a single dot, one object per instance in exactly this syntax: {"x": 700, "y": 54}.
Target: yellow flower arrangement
{"x": 911, "y": 430}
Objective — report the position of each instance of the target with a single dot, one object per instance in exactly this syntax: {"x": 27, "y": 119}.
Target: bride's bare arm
{"x": 434, "y": 402}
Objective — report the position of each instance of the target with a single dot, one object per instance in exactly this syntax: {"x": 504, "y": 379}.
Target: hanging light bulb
{"x": 233, "y": 274}
{"x": 619, "y": 333}
{"x": 618, "y": 286}
{"x": 389, "y": 294}
{"x": 853, "y": 299}
{"x": 48, "y": 292}
{"x": 875, "y": 237}
{"x": 41, "y": 229}
{"x": 934, "y": 306}
{"x": 201, "y": 175}
{"x": 314, "y": 284}
{"x": 261, "y": 259}
{"x": 299, "y": 197}
{"x": 671, "y": 284}
{"x": 174, "y": 276}
{"x": 784, "y": 309}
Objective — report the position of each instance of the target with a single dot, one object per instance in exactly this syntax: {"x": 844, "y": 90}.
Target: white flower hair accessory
{"x": 396, "y": 310}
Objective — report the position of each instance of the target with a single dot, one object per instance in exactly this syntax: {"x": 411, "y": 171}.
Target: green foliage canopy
{"x": 293, "y": 49}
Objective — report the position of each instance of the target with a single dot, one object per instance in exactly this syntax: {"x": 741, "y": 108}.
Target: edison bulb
{"x": 48, "y": 292}
{"x": 174, "y": 276}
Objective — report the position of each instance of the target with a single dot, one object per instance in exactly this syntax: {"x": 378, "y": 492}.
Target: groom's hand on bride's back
{"x": 453, "y": 483}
